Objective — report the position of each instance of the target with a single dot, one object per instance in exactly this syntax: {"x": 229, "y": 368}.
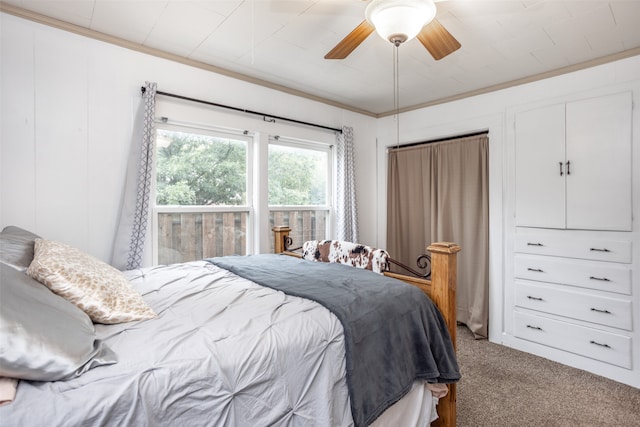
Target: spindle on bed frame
{"x": 441, "y": 288}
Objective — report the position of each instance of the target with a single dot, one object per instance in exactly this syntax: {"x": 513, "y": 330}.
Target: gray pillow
{"x": 44, "y": 337}
{"x": 16, "y": 247}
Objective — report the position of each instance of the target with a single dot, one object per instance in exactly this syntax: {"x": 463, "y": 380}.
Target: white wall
{"x": 67, "y": 109}
{"x": 489, "y": 112}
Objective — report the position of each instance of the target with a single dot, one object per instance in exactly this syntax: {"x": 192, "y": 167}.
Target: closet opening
{"x": 439, "y": 191}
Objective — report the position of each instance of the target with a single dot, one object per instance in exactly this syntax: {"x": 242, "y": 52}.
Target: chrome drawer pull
{"x": 599, "y": 249}
{"x": 534, "y": 244}
{"x": 601, "y": 345}
{"x": 537, "y": 299}
{"x": 600, "y": 311}
{"x": 602, "y": 279}
{"x": 537, "y": 328}
{"x": 537, "y": 270}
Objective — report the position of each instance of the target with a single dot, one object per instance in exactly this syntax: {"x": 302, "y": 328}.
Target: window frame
{"x": 188, "y": 117}
{"x": 328, "y": 207}
{"x": 248, "y": 207}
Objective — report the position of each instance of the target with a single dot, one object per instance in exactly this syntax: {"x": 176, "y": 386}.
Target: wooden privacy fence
{"x": 191, "y": 236}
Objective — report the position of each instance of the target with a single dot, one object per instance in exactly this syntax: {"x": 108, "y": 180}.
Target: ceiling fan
{"x": 399, "y": 21}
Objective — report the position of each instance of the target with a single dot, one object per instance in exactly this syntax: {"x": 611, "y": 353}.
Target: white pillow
{"x": 95, "y": 287}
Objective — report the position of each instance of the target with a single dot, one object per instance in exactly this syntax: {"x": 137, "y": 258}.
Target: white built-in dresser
{"x": 570, "y": 275}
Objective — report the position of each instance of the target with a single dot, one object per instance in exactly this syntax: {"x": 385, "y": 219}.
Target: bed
{"x": 214, "y": 345}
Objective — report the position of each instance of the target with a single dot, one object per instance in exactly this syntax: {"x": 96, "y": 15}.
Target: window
{"x": 300, "y": 188}
{"x": 202, "y": 194}
{"x": 220, "y": 191}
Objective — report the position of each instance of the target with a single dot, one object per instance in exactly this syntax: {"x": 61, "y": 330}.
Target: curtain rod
{"x": 448, "y": 138}
{"x": 265, "y": 117}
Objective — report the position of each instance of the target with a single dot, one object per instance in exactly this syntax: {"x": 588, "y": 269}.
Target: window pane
{"x": 196, "y": 169}
{"x": 305, "y": 225}
{"x": 297, "y": 176}
{"x": 194, "y": 236}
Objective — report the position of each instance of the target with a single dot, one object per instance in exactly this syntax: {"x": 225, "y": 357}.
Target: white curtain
{"x": 134, "y": 221}
{"x": 346, "y": 213}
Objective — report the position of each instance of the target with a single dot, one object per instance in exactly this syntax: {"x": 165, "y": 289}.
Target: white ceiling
{"x": 283, "y": 42}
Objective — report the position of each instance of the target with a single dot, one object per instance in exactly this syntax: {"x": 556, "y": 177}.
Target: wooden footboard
{"x": 441, "y": 289}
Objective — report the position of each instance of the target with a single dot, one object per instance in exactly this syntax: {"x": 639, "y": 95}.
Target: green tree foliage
{"x": 200, "y": 170}
{"x": 297, "y": 176}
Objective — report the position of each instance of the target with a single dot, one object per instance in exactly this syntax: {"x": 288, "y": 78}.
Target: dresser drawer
{"x": 603, "y": 276}
{"x": 600, "y": 345}
{"x": 558, "y": 300}
{"x": 558, "y": 244}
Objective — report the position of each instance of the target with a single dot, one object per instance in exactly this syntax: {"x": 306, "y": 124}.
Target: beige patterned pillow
{"x": 95, "y": 287}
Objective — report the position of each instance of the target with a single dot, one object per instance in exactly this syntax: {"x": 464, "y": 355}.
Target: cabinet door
{"x": 599, "y": 152}
{"x": 540, "y": 183}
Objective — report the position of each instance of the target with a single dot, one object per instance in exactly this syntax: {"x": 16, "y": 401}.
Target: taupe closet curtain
{"x": 440, "y": 192}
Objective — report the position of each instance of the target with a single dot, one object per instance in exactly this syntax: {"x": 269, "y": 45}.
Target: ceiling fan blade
{"x": 438, "y": 41}
{"x": 351, "y": 41}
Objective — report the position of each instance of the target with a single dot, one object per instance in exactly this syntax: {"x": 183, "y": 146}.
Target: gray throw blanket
{"x": 394, "y": 334}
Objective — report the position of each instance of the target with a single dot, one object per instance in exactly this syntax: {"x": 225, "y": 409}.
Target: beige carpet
{"x": 501, "y": 386}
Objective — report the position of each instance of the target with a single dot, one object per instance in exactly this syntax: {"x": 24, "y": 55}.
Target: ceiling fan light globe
{"x": 395, "y": 20}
